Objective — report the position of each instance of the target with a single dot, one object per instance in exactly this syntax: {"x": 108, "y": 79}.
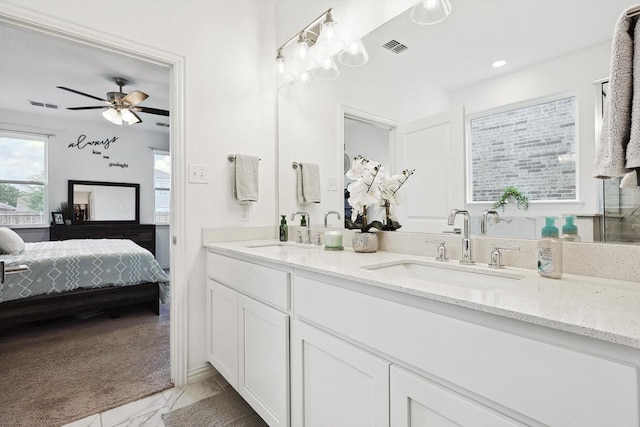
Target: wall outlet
{"x": 198, "y": 174}
{"x": 332, "y": 184}
{"x": 244, "y": 215}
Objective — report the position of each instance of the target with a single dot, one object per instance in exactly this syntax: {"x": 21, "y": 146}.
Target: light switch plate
{"x": 332, "y": 184}
{"x": 198, "y": 174}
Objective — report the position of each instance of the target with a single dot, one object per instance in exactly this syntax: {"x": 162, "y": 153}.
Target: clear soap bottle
{"x": 550, "y": 251}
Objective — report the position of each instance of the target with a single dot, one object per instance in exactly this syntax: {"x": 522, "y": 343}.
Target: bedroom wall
{"x": 131, "y": 148}
{"x": 228, "y": 48}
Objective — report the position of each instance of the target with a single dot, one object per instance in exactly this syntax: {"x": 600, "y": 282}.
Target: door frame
{"x": 26, "y": 19}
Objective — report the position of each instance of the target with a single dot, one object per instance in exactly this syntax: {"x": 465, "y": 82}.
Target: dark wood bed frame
{"x": 43, "y": 307}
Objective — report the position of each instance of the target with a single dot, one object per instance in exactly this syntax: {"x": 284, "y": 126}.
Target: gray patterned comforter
{"x": 67, "y": 265}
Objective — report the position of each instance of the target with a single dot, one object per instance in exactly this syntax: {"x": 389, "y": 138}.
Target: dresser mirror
{"x": 95, "y": 202}
{"x": 442, "y": 74}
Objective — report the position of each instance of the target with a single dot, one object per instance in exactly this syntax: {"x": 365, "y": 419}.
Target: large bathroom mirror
{"x": 424, "y": 83}
{"x": 104, "y": 202}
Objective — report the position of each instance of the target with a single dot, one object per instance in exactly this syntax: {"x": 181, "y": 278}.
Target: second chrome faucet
{"x": 466, "y": 241}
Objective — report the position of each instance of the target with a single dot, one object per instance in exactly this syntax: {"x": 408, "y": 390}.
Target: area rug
{"x": 226, "y": 408}
{"x": 59, "y": 371}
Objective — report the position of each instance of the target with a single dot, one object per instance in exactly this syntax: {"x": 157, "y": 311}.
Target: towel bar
{"x": 232, "y": 158}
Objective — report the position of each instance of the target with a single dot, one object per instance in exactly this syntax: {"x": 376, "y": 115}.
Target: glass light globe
{"x": 429, "y": 12}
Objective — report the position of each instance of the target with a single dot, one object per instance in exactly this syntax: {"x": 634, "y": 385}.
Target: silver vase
{"x": 365, "y": 242}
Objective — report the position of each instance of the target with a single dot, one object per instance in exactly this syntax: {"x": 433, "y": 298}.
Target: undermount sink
{"x": 281, "y": 246}
{"x": 468, "y": 277}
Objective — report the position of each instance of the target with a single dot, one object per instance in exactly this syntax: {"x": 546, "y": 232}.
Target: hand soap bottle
{"x": 569, "y": 230}
{"x": 550, "y": 251}
{"x": 284, "y": 230}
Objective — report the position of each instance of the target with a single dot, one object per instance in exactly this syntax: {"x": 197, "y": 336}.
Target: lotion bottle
{"x": 550, "y": 251}
{"x": 284, "y": 230}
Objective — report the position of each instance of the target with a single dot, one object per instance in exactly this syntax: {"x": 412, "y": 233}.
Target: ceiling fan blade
{"x": 135, "y": 97}
{"x": 150, "y": 110}
{"x": 81, "y": 93}
{"x": 87, "y": 108}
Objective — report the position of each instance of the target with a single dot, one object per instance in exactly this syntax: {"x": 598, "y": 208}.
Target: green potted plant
{"x": 511, "y": 192}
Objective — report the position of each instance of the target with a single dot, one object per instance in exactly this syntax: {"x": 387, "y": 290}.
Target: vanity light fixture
{"x": 314, "y": 52}
{"x": 429, "y": 12}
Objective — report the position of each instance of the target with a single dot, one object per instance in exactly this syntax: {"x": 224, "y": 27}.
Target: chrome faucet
{"x": 466, "y": 242}
{"x": 308, "y": 240}
{"x": 484, "y": 222}
{"x": 329, "y": 213}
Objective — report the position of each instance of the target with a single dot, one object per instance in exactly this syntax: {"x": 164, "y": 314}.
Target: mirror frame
{"x": 72, "y": 183}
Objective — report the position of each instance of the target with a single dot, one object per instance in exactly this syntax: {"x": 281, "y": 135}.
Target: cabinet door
{"x": 418, "y": 402}
{"x": 222, "y": 330}
{"x": 335, "y": 383}
{"x": 264, "y": 360}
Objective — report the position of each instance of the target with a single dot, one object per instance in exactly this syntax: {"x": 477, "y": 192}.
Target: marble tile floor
{"x": 147, "y": 412}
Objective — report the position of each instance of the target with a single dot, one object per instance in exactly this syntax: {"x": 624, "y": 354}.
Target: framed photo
{"x": 57, "y": 218}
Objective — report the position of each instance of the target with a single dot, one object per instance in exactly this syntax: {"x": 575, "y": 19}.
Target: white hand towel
{"x": 632, "y": 179}
{"x": 616, "y": 127}
{"x": 246, "y": 178}
{"x": 308, "y": 183}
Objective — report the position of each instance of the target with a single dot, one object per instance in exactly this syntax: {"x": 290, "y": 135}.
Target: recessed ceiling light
{"x": 499, "y": 63}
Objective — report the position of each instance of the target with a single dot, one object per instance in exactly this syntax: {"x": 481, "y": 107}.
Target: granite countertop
{"x": 604, "y": 309}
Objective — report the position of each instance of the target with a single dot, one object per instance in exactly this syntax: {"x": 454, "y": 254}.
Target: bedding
{"x": 61, "y": 266}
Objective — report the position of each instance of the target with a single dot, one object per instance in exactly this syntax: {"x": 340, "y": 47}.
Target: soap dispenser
{"x": 284, "y": 229}
{"x": 550, "y": 251}
{"x": 569, "y": 230}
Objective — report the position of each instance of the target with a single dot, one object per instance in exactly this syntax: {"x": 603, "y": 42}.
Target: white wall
{"x": 228, "y": 48}
{"x": 65, "y": 163}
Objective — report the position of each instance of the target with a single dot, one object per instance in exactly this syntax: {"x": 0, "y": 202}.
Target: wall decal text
{"x": 82, "y": 142}
{"x": 118, "y": 164}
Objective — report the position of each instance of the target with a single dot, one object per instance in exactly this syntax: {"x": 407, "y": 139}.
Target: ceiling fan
{"x": 121, "y": 107}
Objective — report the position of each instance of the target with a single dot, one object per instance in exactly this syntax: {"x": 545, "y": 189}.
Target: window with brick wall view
{"x": 531, "y": 148}
{"x": 23, "y": 180}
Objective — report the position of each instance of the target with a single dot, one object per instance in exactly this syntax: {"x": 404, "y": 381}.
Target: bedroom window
{"x": 23, "y": 179}
{"x": 162, "y": 185}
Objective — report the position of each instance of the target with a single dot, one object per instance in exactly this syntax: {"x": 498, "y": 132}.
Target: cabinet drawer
{"x": 552, "y": 384}
{"x": 267, "y": 284}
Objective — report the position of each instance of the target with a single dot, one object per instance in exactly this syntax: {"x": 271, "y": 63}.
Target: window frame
{"x": 167, "y": 153}
{"x": 515, "y": 106}
{"x": 46, "y": 139}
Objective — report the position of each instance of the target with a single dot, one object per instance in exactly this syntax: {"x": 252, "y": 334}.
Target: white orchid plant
{"x": 372, "y": 187}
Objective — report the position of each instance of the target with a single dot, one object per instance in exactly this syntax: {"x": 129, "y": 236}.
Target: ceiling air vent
{"x": 44, "y": 105}
{"x": 395, "y": 46}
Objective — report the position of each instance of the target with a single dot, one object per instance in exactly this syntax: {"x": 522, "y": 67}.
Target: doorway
{"x": 65, "y": 32}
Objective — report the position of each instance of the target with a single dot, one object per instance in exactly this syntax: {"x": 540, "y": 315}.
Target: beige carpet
{"x": 226, "y": 409}
{"x": 63, "y": 370}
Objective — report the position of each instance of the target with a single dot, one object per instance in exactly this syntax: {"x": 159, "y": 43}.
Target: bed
{"x": 79, "y": 276}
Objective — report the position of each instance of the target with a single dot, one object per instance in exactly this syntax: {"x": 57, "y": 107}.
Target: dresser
{"x": 143, "y": 235}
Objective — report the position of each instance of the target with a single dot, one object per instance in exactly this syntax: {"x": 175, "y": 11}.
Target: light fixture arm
{"x": 313, "y": 28}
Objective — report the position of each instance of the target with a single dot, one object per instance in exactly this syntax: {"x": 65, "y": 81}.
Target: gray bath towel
{"x": 618, "y": 149}
{"x": 308, "y": 183}
{"x": 245, "y": 185}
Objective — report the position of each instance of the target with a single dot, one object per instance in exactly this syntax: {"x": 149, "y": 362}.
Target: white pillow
{"x": 10, "y": 241}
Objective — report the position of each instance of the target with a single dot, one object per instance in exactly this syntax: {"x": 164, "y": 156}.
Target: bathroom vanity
{"x": 321, "y": 338}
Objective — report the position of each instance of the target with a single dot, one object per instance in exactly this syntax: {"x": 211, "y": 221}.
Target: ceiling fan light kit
{"x": 121, "y": 107}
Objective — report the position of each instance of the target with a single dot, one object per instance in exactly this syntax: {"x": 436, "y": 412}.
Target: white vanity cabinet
{"x": 248, "y": 332}
{"x": 418, "y": 402}
{"x": 483, "y": 370}
{"x": 335, "y": 383}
